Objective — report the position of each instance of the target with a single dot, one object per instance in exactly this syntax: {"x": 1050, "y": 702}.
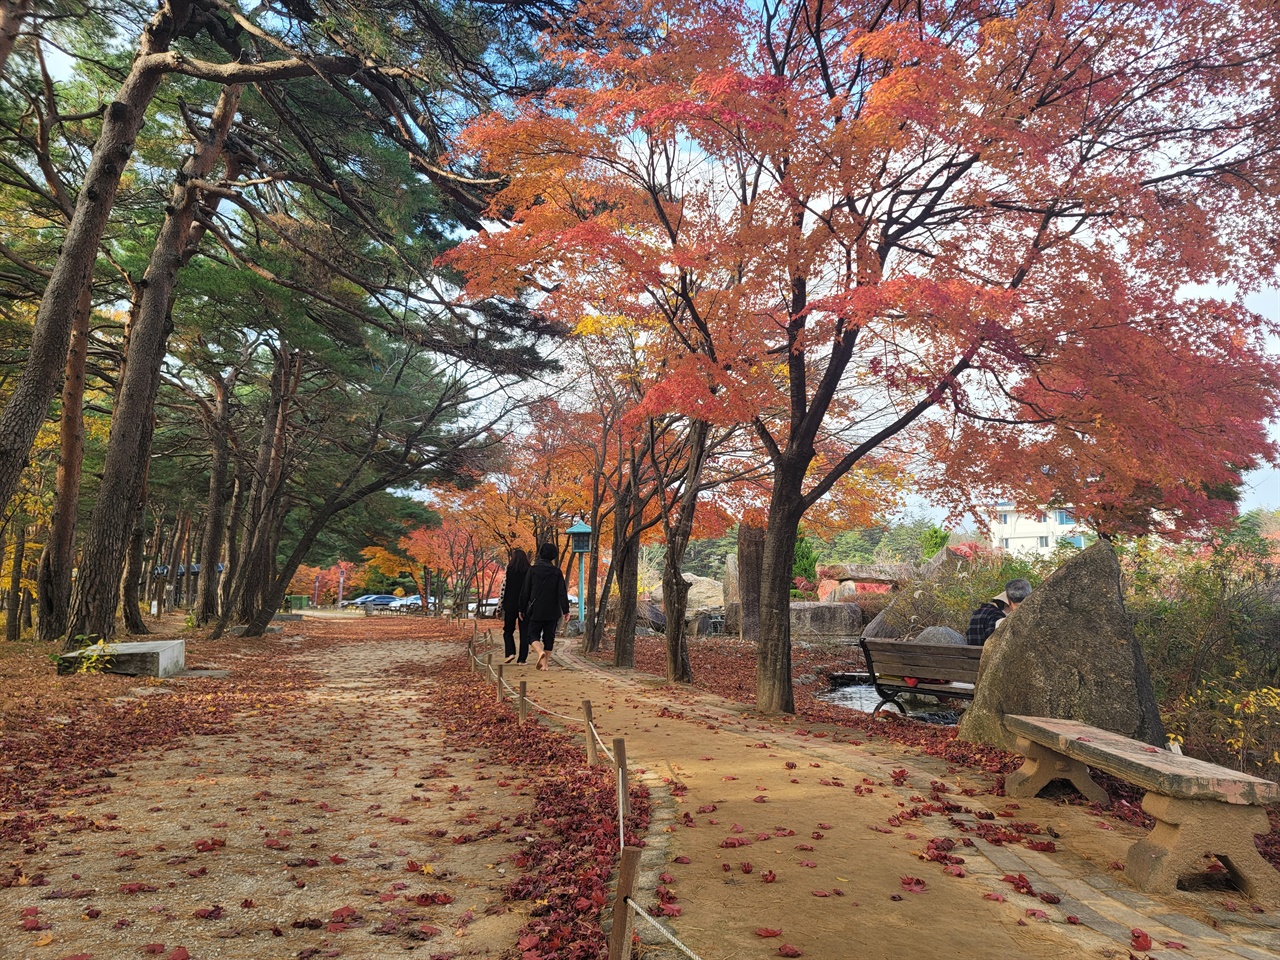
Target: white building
{"x": 1037, "y": 532}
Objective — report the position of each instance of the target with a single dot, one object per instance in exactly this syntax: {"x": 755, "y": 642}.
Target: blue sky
{"x": 1262, "y": 487}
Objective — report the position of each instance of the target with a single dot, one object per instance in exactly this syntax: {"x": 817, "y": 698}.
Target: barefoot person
{"x": 544, "y": 600}
{"x": 512, "y": 587}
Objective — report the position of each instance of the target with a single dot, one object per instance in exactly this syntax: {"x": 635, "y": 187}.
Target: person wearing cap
{"x": 988, "y": 616}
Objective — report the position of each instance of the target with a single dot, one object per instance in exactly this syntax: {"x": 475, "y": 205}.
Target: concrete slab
{"x": 149, "y": 658}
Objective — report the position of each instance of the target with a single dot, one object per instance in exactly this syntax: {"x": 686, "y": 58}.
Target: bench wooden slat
{"x": 1151, "y": 768}
{"x": 890, "y": 662}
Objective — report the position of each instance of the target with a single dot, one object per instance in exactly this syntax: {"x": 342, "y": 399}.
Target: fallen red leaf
{"x": 1139, "y": 940}
{"x": 767, "y": 932}
{"x": 787, "y": 950}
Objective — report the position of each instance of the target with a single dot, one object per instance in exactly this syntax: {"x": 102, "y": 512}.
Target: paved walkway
{"x": 744, "y": 753}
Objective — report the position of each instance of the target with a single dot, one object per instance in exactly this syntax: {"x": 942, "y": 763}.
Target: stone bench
{"x": 899, "y": 667}
{"x": 1199, "y": 808}
{"x": 148, "y": 658}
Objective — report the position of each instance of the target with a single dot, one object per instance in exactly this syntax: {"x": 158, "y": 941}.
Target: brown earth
{"x": 313, "y": 822}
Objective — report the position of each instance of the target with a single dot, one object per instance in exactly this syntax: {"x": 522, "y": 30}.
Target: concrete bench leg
{"x": 1186, "y": 830}
{"x": 1042, "y": 766}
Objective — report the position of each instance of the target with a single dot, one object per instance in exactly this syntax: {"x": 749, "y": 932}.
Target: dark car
{"x": 371, "y": 600}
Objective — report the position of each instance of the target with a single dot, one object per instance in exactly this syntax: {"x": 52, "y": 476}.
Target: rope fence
{"x": 624, "y": 906}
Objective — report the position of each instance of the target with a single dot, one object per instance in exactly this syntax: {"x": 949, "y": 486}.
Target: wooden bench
{"x": 941, "y": 670}
{"x": 1199, "y": 808}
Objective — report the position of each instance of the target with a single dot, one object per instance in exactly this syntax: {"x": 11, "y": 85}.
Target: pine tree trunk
{"x": 235, "y": 535}
{"x": 53, "y": 579}
{"x": 12, "y": 623}
{"x": 28, "y": 405}
{"x": 252, "y": 569}
{"x": 131, "y": 588}
{"x": 12, "y": 14}
{"x": 93, "y": 603}
{"x": 187, "y": 581}
{"x": 215, "y": 522}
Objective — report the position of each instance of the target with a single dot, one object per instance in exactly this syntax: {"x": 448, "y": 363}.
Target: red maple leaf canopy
{"x": 945, "y": 233}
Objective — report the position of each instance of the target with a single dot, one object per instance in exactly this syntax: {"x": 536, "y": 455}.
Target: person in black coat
{"x": 544, "y": 600}
{"x": 512, "y": 586}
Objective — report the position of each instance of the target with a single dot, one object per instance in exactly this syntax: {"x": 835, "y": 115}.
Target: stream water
{"x": 857, "y": 696}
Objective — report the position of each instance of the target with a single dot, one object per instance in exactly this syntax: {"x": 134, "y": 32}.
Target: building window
{"x": 1042, "y": 517}
{"x": 1064, "y": 517}
{"x": 1044, "y": 541}
{"x": 1004, "y": 542}
{"x": 1003, "y": 518}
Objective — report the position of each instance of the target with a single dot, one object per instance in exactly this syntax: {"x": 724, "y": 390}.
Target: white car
{"x": 486, "y": 608}
{"x": 407, "y": 604}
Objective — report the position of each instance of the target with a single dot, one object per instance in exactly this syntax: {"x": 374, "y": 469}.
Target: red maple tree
{"x": 946, "y": 231}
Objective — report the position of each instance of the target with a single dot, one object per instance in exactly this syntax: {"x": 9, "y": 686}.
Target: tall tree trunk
{"x": 25, "y": 615}
{"x": 627, "y": 560}
{"x": 215, "y": 521}
{"x": 53, "y": 579}
{"x": 12, "y": 624}
{"x": 773, "y": 666}
{"x": 29, "y": 403}
{"x": 131, "y": 592}
{"x": 675, "y": 589}
{"x": 134, "y": 583}
{"x": 12, "y": 13}
{"x": 168, "y": 588}
{"x": 253, "y": 569}
{"x": 750, "y": 567}
{"x": 93, "y": 603}
{"x": 235, "y": 534}
{"x": 187, "y": 581}
{"x": 593, "y": 631}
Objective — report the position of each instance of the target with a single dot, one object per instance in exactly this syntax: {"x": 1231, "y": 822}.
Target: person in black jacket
{"x": 512, "y": 586}
{"x": 544, "y": 600}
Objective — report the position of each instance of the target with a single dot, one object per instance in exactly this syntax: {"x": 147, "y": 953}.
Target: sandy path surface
{"x": 842, "y": 828}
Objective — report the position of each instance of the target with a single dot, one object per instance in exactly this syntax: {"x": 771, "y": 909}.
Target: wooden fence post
{"x": 497, "y": 684}
{"x": 620, "y": 934}
{"x": 624, "y": 788}
{"x": 524, "y": 703}
{"x": 592, "y": 757}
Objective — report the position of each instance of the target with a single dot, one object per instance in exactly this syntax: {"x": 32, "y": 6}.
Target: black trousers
{"x": 510, "y": 621}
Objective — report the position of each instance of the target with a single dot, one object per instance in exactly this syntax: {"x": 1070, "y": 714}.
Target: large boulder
{"x": 1067, "y": 652}
{"x": 868, "y": 572}
{"x": 704, "y": 593}
{"x": 837, "y": 591}
{"x": 940, "y": 635}
{"x": 825, "y": 621}
{"x": 889, "y": 624}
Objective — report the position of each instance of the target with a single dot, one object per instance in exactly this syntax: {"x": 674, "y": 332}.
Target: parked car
{"x": 371, "y": 601}
{"x": 407, "y": 604}
{"x": 486, "y": 608}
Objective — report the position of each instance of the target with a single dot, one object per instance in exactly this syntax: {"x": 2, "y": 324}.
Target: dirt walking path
{"x": 349, "y": 808}
{"x": 827, "y": 844}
